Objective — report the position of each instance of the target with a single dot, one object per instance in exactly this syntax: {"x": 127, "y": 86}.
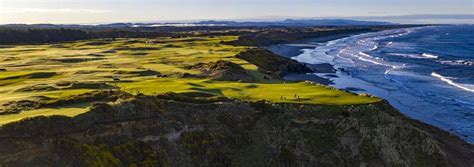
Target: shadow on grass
{"x": 210, "y": 91}
{"x": 196, "y": 85}
{"x": 72, "y": 106}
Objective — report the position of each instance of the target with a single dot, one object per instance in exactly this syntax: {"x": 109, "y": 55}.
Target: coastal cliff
{"x": 196, "y": 129}
{"x": 233, "y": 109}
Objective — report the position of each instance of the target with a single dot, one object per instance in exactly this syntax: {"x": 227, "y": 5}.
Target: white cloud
{"x": 58, "y": 11}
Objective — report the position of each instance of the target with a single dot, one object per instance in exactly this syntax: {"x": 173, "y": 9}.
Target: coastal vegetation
{"x": 206, "y": 98}
{"x": 200, "y": 129}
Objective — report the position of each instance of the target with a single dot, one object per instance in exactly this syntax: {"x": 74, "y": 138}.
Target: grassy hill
{"x": 33, "y": 76}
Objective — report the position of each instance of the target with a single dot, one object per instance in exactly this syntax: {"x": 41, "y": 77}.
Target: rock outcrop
{"x": 223, "y": 71}
{"x": 271, "y": 63}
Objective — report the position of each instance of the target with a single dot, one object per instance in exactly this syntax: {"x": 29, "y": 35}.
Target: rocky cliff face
{"x": 202, "y": 130}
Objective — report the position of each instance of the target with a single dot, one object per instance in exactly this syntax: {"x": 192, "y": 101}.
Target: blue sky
{"x": 103, "y": 11}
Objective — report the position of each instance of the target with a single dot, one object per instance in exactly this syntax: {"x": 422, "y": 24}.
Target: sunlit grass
{"x": 69, "y": 111}
{"x": 275, "y": 92}
{"x": 105, "y": 61}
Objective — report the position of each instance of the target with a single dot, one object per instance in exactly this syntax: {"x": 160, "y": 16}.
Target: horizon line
{"x": 280, "y": 18}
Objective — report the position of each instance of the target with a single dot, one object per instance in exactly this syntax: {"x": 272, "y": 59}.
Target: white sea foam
{"x": 457, "y": 62}
{"x": 330, "y": 43}
{"x": 368, "y": 58}
{"x": 365, "y": 54}
{"x": 371, "y": 61}
{"x": 430, "y": 56}
{"x": 374, "y": 48}
{"x": 414, "y": 56}
{"x": 466, "y": 87}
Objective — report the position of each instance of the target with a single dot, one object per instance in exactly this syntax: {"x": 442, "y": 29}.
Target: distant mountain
{"x": 116, "y": 25}
{"x": 283, "y": 23}
{"x": 402, "y": 19}
{"x": 297, "y": 23}
{"x": 423, "y": 19}
{"x": 424, "y": 16}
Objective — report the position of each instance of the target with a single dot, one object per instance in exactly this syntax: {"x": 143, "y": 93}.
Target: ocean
{"x": 425, "y": 72}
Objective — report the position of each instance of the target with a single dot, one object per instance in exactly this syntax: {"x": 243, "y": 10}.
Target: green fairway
{"x": 275, "y": 92}
{"x": 69, "y": 111}
{"x": 149, "y": 66}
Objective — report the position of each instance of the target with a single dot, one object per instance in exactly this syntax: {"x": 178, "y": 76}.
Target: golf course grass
{"x": 148, "y": 66}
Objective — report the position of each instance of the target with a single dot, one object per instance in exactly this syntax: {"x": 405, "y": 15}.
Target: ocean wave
{"x": 365, "y": 55}
{"x": 374, "y": 48}
{"x": 399, "y": 34}
{"x": 457, "y": 62}
{"x": 415, "y": 56}
{"x": 371, "y": 61}
{"x": 368, "y": 58}
{"x": 429, "y": 56}
{"x": 466, "y": 87}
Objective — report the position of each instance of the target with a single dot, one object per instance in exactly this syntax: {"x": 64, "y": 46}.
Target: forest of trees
{"x": 40, "y": 36}
{"x": 11, "y": 36}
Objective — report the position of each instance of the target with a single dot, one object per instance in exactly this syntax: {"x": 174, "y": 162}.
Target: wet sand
{"x": 289, "y": 50}
{"x": 293, "y": 50}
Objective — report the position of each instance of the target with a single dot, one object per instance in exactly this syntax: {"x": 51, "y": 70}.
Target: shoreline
{"x": 294, "y": 49}
{"x": 290, "y": 50}
{"x": 358, "y": 87}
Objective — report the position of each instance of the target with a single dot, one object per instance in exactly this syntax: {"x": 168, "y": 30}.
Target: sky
{"x": 109, "y": 11}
